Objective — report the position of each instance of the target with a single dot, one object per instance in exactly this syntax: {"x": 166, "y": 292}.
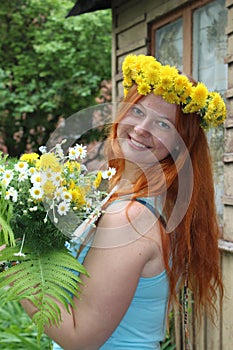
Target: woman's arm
{"x": 115, "y": 264}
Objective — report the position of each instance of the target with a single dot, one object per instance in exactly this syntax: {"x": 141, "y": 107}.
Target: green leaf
{"x": 43, "y": 279}
{"x": 17, "y": 330}
{"x": 6, "y": 213}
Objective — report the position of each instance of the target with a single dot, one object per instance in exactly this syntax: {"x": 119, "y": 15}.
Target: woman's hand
{"x": 2, "y": 247}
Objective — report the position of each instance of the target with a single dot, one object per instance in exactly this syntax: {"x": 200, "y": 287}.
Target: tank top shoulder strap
{"x": 151, "y": 208}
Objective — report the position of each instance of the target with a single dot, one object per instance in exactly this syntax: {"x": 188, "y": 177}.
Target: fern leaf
{"x": 47, "y": 280}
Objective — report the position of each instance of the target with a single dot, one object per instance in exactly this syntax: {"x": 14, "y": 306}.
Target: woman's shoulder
{"x": 126, "y": 221}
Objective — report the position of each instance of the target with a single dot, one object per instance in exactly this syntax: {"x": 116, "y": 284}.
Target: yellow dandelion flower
{"x": 171, "y": 97}
{"x": 159, "y": 90}
{"x": 144, "y": 89}
{"x": 151, "y": 76}
{"x": 129, "y": 60}
{"x": 181, "y": 83}
{"x": 49, "y": 160}
{"x": 78, "y": 196}
{"x": 71, "y": 184}
{"x": 98, "y": 179}
{"x": 139, "y": 80}
{"x": 48, "y": 188}
{"x": 215, "y": 99}
{"x": 199, "y": 94}
{"x": 168, "y": 71}
{"x": 29, "y": 157}
{"x": 128, "y": 82}
{"x": 167, "y": 76}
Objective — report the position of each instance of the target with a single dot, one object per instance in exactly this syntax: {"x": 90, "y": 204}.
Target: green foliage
{"x": 6, "y": 213}
{"x": 16, "y": 329}
{"x": 41, "y": 278}
{"x": 169, "y": 342}
{"x": 40, "y": 237}
{"x": 50, "y": 67}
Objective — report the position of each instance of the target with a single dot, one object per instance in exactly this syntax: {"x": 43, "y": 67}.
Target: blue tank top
{"x": 144, "y": 325}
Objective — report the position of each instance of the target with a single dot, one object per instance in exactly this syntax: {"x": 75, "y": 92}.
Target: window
{"x": 194, "y": 40}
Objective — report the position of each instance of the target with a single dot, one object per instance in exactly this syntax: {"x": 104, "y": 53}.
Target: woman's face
{"x": 147, "y": 133}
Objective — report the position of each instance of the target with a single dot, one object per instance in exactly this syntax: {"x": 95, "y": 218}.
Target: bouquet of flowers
{"x": 44, "y": 199}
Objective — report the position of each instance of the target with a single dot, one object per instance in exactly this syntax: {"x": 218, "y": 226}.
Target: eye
{"x": 137, "y": 112}
{"x": 164, "y": 125}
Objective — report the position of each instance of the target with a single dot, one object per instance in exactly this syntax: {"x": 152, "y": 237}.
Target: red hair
{"x": 193, "y": 245}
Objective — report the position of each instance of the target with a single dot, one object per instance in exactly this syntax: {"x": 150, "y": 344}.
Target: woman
{"x": 158, "y": 227}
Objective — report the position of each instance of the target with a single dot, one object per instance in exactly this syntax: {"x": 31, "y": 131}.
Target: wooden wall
{"x": 227, "y": 243}
{"x": 130, "y": 35}
{"x": 130, "y": 31}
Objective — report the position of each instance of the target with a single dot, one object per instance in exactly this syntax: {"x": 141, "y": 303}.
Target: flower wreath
{"x": 151, "y": 76}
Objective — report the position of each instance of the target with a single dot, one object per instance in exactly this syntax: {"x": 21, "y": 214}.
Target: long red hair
{"x": 193, "y": 245}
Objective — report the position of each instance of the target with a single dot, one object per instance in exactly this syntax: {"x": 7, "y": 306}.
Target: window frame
{"x": 185, "y": 12}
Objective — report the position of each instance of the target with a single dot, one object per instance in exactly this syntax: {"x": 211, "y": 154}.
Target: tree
{"x": 50, "y": 67}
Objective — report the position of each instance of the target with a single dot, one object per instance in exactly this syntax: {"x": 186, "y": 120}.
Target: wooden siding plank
{"x": 228, "y": 158}
{"x": 127, "y": 11}
{"x": 132, "y": 47}
{"x": 228, "y": 181}
{"x": 213, "y": 331}
{"x": 133, "y": 34}
{"x": 228, "y": 58}
{"x": 229, "y": 123}
{"x": 228, "y": 230}
{"x": 225, "y": 246}
{"x": 229, "y": 3}
{"x": 227, "y": 325}
{"x": 158, "y": 9}
{"x": 199, "y": 336}
{"x": 229, "y": 93}
{"x": 130, "y": 24}
{"x": 229, "y": 30}
{"x": 227, "y": 200}
{"x": 229, "y": 138}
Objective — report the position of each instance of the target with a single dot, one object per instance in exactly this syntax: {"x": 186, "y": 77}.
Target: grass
{"x": 17, "y": 330}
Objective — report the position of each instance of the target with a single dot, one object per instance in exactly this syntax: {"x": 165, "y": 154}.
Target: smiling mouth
{"x": 138, "y": 144}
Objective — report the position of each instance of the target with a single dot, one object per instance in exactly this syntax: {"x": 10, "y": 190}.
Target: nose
{"x": 143, "y": 128}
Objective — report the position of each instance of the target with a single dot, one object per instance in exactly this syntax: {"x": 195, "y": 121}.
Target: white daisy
{"x": 36, "y": 178}
{"x": 7, "y": 177}
{"x": 43, "y": 149}
{"x": 63, "y": 208}
{"x": 73, "y": 153}
{"x": 59, "y": 151}
{"x": 58, "y": 194}
{"x": 21, "y": 166}
{"x": 67, "y": 196}
{"x": 57, "y": 179}
{"x": 82, "y": 150}
{"x": 31, "y": 171}
{"x": 2, "y": 169}
{"x": 109, "y": 173}
{"x": 36, "y": 192}
{"x": 11, "y": 193}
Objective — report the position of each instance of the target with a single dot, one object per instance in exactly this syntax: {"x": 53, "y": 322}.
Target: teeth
{"x": 137, "y": 144}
